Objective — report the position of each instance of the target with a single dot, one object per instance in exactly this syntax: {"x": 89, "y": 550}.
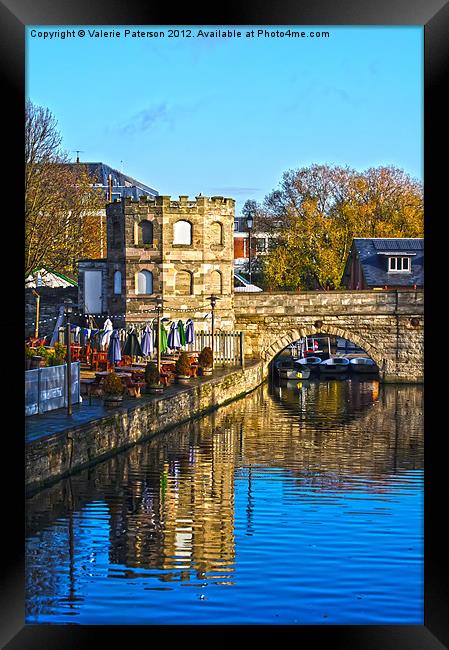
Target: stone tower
{"x": 180, "y": 250}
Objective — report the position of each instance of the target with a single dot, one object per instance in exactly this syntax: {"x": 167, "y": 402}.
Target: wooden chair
{"x": 75, "y": 352}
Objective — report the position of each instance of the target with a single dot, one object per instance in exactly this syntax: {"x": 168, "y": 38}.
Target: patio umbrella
{"x": 146, "y": 341}
{"x": 163, "y": 338}
{"x": 132, "y": 346}
{"x": 114, "y": 352}
{"x": 174, "y": 341}
{"x": 107, "y": 327}
{"x": 189, "y": 331}
{"x": 182, "y": 334}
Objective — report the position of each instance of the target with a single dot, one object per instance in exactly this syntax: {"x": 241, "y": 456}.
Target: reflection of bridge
{"x": 388, "y": 325}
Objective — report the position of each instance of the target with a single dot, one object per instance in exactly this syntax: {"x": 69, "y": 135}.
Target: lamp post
{"x": 213, "y": 301}
{"x": 68, "y": 307}
{"x": 159, "y": 303}
{"x": 36, "y": 327}
{"x": 249, "y": 225}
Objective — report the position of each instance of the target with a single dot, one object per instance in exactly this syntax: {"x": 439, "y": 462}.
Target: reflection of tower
{"x": 198, "y": 508}
{"x": 250, "y": 505}
{"x": 71, "y": 597}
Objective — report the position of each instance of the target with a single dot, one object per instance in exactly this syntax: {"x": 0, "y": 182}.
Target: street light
{"x": 213, "y": 301}
{"x": 159, "y": 303}
{"x": 68, "y": 308}
{"x": 249, "y": 225}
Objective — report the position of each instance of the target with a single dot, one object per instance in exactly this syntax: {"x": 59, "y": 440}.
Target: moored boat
{"x": 334, "y": 365}
{"x": 363, "y": 365}
{"x": 289, "y": 368}
{"x": 310, "y": 362}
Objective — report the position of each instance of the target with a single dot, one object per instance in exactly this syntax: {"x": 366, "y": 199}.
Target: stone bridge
{"x": 388, "y": 325}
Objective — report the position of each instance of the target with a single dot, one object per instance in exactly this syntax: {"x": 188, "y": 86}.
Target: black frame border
{"x": 433, "y": 15}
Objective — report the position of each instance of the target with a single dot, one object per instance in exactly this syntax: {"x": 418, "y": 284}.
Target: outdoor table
{"x": 103, "y": 373}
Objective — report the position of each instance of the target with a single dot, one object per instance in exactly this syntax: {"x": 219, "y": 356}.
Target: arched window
{"x": 216, "y": 282}
{"x": 144, "y": 282}
{"x": 217, "y": 233}
{"x": 182, "y": 233}
{"x": 184, "y": 283}
{"x": 117, "y": 282}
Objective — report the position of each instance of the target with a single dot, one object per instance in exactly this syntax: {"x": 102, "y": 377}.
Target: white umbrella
{"x": 107, "y": 333}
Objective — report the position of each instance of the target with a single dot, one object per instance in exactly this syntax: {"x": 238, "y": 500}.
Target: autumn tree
{"x": 62, "y": 209}
{"x": 317, "y": 211}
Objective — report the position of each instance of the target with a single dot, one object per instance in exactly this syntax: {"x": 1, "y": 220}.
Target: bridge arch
{"x": 290, "y": 336}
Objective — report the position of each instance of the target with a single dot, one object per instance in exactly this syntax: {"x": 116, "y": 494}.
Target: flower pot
{"x": 182, "y": 379}
{"x": 37, "y": 362}
{"x": 113, "y": 400}
{"x": 155, "y": 388}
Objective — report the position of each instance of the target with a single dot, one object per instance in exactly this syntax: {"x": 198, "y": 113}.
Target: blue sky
{"x": 227, "y": 116}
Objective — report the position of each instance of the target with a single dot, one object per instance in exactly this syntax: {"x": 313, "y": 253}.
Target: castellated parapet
{"x": 181, "y": 250}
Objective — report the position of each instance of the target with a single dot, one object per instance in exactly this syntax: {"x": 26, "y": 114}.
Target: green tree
{"x": 317, "y": 211}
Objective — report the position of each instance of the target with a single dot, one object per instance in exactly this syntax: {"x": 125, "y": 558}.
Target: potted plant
{"x": 40, "y": 357}
{"x": 29, "y": 354}
{"x": 182, "y": 368}
{"x": 205, "y": 361}
{"x": 112, "y": 389}
{"x": 152, "y": 378}
{"x": 58, "y": 356}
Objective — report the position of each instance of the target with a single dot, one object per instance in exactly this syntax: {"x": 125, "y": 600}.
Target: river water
{"x": 299, "y": 504}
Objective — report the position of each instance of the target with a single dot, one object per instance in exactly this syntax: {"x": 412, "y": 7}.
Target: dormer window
{"x": 399, "y": 264}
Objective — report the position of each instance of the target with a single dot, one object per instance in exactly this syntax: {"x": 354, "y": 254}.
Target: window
{"x": 399, "y": 264}
{"x": 144, "y": 282}
{"x": 236, "y": 226}
{"x": 182, "y": 233}
{"x": 261, "y": 245}
{"x": 117, "y": 282}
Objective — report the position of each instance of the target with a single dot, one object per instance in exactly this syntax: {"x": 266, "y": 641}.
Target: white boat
{"x": 289, "y": 368}
{"x": 363, "y": 365}
{"x": 310, "y": 362}
{"x": 334, "y": 365}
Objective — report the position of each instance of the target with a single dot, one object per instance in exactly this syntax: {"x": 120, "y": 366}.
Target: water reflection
{"x": 199, "y": 507}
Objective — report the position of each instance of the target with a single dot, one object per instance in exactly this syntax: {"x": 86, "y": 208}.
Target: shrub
{"x": 112, "y": 385}
{"x": 29, "y": 352}
{"x": 54, "y": 360}
{"x": 151, "y": 373}
{"x": 205, "y": 358}
{"x": 182, "y": 364}
{"x": 60, "y": 350}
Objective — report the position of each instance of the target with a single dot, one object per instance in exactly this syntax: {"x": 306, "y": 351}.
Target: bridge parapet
{"x": 387, "y": 324}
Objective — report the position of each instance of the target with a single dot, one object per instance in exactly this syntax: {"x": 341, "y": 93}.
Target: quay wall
{"x": 70, "y": 450}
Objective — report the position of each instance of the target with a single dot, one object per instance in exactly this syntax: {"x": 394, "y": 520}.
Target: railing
{"x": 46, "y": 388}
{"x": 228, "y": 347}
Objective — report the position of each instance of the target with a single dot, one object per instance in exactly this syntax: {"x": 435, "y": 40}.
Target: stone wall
{"x": 51, "y": 298}
{"x": 64, "y": 452}
{"x": 388, "y": 325}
